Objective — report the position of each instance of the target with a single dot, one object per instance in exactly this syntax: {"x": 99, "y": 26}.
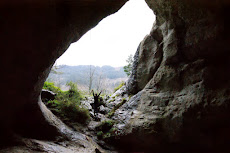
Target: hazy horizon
{"x": 107, "y": 77}
{"x": 90, "y": 65}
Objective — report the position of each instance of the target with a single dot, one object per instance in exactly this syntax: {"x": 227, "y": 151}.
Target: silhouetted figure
{"x": 96, "y": 103}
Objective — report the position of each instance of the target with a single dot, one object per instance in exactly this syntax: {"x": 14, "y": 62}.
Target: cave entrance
{"x": 96, "y": 62}
{"x": 105, "y": 49}
{"x": 29, "y": 117}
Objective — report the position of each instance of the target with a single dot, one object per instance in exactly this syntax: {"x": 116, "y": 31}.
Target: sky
{"x": 113, "y": 39}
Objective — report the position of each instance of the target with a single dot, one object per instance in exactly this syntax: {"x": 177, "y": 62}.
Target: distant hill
{"x": 105, "y": 78}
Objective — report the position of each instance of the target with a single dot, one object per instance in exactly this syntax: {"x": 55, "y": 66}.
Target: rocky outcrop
{"x": 146, "y": 61}
{"x": 131, "y": 84}
{"x": 47, "y": 95}
{"x": 183, "y": 66}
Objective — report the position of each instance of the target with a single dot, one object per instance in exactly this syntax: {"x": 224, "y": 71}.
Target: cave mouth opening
{"x": 26, "y": 118}
{"x": 105, "y": 48}
{"x": 96, "y": 63}
{"x": 103, "y": 52}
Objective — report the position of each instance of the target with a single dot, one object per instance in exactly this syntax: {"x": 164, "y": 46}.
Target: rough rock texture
{"x": 33, "y": 35}
{"x": 117, "y": 97}
{"x": 184, "y": 64}
{"x": 146, "y": 61}
{"x": 68, "y": 140}
{"x": 131, "y": 84}
{"x": 182, "y": 72}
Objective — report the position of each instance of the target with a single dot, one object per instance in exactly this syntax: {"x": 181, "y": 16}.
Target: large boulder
{"x": 147, "y": 60}
{"x": 47, "y": 95}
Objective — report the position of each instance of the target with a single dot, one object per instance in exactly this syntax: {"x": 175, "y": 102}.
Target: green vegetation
{"x": 105, "y": 130}
{"x": 66, "y": 104}
{"x": 128, "y": 68}
{"x": 51, "y": 87}
{"x": 105, "y": 126}
{"x": 111, "y": 134}
{"x": 111, "y": 113}
{"x": 112, "y": 100}
{"x": 120, "y": 85}
{"x": 100, "y": 135}
{"x": 130, "y": 96}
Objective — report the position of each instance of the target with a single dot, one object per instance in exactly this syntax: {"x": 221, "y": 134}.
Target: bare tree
{"x": 55, "y": 70}
{"x": 91, "y": 76}
{"x": 100, "y": 82}
{"x": 105, "y": 86}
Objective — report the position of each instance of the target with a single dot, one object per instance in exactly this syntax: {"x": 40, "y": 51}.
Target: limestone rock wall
{"x": 182, "y": 74}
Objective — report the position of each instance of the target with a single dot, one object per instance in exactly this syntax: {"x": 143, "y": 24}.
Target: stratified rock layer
{"x": 183, "y": 72}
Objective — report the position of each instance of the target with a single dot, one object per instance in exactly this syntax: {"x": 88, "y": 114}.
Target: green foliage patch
{"x": 105, "y": 130}
{"x": 128, "y": 67}
{"x": 120, "y": 85}
{"x": 51, "y": 87}
{"x": 105, "y": 126}
{"x": 66, "y": 104}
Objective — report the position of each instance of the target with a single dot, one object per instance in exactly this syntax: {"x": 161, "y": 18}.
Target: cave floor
{"x": 62, "y": 145}
{"x": 38, "y": 146}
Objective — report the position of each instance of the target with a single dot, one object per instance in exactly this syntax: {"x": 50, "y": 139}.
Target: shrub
{"x": 73, "y": 91}
{"x": 120, "y": 85}
{"x": 51, "y": 87}
{"x": 100, "y": 134}
{"x": 67, "y": 103}
{"x": 106, "y": 130}
{"x": 73, "y": 112}
{"x": 105, "y": 126}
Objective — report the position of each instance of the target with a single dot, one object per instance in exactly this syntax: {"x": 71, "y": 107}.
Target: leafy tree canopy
{"x": 128, "y": 67}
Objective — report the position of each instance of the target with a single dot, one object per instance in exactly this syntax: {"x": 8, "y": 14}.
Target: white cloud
{"x": 113, "y": 39}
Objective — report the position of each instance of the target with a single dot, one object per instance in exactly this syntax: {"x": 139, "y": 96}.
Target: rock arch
{"x": 33, "y": 35}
